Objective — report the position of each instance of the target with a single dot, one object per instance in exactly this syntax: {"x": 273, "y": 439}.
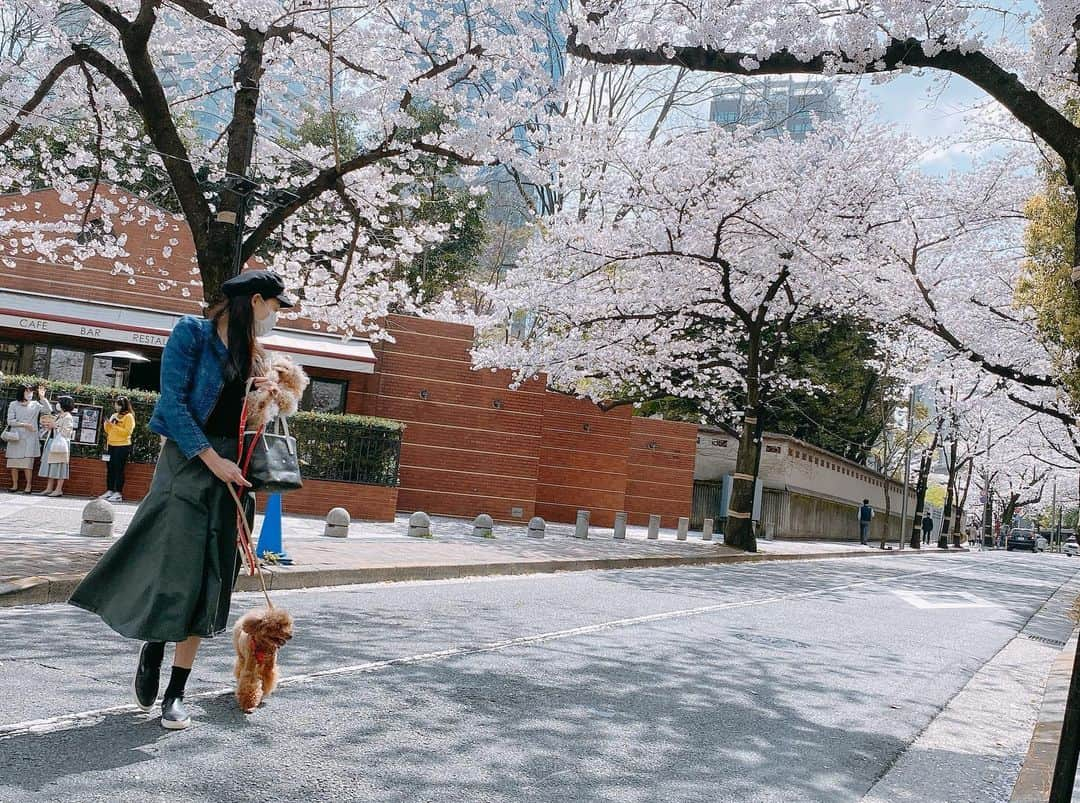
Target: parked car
{"x": 1023, "y": 539}
{"x": 1071, "y": 547}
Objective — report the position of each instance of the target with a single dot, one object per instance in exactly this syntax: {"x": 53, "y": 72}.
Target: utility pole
{"x": 988, "y": 506}
{"x": 907, "y": 463}
{"x": 1053, "y": 519}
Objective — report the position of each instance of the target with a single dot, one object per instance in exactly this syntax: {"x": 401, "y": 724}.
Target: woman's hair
{"x": 241, "y": 335}
{"x": 67, "y": 404}
{"x": 124, "y": 403}
{"x": 24, "y": 389}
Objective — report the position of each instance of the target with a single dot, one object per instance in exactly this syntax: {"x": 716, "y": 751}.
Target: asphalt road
{"x": 792, "y": 681}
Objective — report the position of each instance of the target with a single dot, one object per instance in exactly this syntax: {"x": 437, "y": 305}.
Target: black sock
{"x": 155, "y": 652}
{"x": 177, "y": 680}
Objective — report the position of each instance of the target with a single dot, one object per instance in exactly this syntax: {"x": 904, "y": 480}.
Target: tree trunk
{"x": 925, "y": 464}
{"x": 950, "y": 498}
{"x": 740, "y": 528}
{"x": 888, "y": 514}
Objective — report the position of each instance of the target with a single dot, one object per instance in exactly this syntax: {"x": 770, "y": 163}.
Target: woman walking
{"x": 22, "y": 420}
{"x": 169, "y": 578}
{"x": 118, "y": 429}
{"x": 56, "y": 455}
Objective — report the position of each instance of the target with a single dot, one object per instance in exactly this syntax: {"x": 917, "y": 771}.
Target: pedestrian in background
{"x": 927, "y": 527}
{"x": 56, "y": 455}
{"x": 866, "y": 515}
{"x": 23, "y": 416}
{"x": 118, "y": 429}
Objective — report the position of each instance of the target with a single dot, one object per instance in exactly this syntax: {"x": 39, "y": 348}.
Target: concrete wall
{"x": 791, "y": 464}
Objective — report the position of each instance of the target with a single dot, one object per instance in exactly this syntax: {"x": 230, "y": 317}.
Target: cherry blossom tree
{"x": 206, "y": 94}
{"x": 879, "y": 37}
{"x": 686, "y": 263}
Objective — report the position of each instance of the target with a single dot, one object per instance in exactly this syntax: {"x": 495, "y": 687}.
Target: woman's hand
{"x": 266, "y": 383}
{"x": 224, "y": 469}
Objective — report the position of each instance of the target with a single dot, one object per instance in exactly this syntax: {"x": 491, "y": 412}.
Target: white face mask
{"x": 263, "y": 326}
{"x": 28, "y": 397}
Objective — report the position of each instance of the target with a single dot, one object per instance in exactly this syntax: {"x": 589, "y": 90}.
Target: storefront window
{"x": 40, "y": 364}
{"x": 66, "y": 365}
{"x": 326, "y": 396}
{"x": 9, "y": 358}
{"x": 101, "y": 373}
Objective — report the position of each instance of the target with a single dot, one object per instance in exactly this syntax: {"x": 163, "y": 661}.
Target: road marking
{"x": 934, "y": 600}
{"x": 92, "y": 717}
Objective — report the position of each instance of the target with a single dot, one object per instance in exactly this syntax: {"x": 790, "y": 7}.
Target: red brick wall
{"x": 548, "y": 454}
{"x": 660, "y": 470}
{"x": 461, "y": 455}
{"x": 583, "y": 457}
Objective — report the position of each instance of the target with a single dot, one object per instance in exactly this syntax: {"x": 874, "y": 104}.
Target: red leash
{"x": 244, "y": 461}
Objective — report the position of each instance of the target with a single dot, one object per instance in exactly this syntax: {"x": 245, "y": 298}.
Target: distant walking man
{"x": 927, "y": 527}
{"x": 866, "y": 515}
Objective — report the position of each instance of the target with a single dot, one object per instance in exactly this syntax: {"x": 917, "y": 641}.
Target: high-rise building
{"x": 775, "y": 104}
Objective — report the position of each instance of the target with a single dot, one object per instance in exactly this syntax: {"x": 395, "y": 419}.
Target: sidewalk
{"x": 42, "y": 556}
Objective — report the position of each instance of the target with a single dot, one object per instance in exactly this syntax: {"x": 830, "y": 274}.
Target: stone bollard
{"x": 706, "y": 530}
{"x": 654, "y": 527}
{"x": 483, "y": 526}
{"x": 97, "y": 519}
{"x": 684, "y": 525}
{"x": 620, "y": 526}
{"x": 581, "y": 528}
{"x": 420, "y": 525}
{"x": 337, "y": 523}
{"x": 537, "y": 526}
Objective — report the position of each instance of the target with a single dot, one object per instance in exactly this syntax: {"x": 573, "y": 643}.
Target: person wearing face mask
{"x": 118, "y": 429}
{"x": 23, "y": 450}
{"x": 169, "y": 578}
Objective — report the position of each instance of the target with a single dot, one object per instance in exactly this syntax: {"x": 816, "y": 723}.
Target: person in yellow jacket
{"x": 118, "y": 429}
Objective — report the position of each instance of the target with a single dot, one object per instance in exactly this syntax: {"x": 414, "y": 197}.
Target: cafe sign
{"x": 91, "y": 331}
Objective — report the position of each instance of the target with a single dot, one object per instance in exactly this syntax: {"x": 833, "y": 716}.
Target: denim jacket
{"x": 192, "y": 377}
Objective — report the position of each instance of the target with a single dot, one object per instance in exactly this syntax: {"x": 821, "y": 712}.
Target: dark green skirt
{"x": 171, "y": 574}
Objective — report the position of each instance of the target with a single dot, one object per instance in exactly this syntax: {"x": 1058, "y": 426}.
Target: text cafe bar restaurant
{"x": 58, "y": 338}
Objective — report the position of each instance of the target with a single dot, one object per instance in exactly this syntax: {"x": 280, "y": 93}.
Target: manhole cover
{"x": 772, "y": 641}
{"x": 1044, "y": 640}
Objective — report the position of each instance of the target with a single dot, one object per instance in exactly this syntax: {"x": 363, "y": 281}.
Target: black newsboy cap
{"x": 264, "y": 282}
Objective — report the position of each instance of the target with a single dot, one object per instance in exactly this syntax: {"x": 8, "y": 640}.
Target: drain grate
{"x": 1044, "y": 640}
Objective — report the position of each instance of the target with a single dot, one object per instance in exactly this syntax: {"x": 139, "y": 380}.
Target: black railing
{"x": 338, "y": 448}
{"x": 347, "y": 448}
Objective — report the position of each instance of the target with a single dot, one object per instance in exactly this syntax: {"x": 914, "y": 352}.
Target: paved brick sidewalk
{"x": 42, "y": 556}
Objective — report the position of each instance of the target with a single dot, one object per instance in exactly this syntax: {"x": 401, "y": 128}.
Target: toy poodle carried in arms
{"x": 259, "y": 634}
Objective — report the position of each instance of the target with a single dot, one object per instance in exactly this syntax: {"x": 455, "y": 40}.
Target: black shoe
{"x": 144, "y": 686}
{"x": 173, "y": 714}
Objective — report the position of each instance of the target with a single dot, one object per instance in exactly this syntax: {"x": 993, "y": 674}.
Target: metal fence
{"x": 337, "y": 448}
{"x": 346, "y": 449}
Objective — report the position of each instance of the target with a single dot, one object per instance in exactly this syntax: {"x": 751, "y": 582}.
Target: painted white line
{"x": 87, "y": 718}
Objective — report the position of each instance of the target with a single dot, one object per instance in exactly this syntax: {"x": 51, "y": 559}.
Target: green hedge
{"x": 343, "y": 448}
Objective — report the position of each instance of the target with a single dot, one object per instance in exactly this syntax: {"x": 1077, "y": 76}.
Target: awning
{"x": 110, "y": 323}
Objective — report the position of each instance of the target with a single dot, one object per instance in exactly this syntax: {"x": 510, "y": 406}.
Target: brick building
{"x": 471, "y": 445}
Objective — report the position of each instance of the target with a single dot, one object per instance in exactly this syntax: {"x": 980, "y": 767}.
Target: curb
{"x": 1037, "y": 772}
{"x": 47, "y": 589}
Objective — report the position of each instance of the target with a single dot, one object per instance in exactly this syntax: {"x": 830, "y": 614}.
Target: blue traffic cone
{"x": 270, "y": 534}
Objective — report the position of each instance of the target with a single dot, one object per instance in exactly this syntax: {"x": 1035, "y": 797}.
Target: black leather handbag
{"x": 272, "y": 462}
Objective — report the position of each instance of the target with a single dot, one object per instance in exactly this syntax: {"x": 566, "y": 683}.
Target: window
{"x": 10, "y": 355}
{"x": 101, "y": 373}
{"x": 66, "y": 365}
{"x": 326, "y": 396}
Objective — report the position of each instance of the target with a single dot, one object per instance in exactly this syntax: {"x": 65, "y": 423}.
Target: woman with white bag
{"x": 21, "y": 436}
{"x": 56, "y": 456}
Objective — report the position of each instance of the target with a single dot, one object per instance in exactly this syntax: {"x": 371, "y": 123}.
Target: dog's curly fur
{"x": 284, "y": 400}
{"x": 257, "y": 636}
